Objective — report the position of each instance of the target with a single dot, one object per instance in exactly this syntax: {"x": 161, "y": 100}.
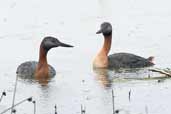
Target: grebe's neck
{"x": 42, "y": 70}
{"x": 106, "y": 45}
{"x": 101, "y": 60}
{"x": 42, "y": 56}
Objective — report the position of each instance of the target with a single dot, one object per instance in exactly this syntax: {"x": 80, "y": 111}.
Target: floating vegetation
{"x": 129, "y": 97}
{"x": 166, "y": 71}
{"x": 113, "y": 102}
{"x": 3, "y": 94}
{"x": 13, "y": 99}
{"x": 12, "y": 107}
{"x": 83, "y": 109}
{"x": 34, "y": 102}
{"x": 56, "y": 110}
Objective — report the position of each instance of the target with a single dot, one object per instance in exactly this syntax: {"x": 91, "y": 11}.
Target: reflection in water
{"x": 43, "y": 93}
{"x": 41, "y": 81}
{"x": 132, "y": 73}
{"x": 108, "y": 76}
{"x": 136, "y": 74}
{"x": 103, "y": 76}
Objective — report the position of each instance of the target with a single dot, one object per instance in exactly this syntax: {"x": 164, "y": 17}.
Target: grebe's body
{"x": 28, "y": 69}
{"x": 117, "y": 60}
{"x": 41, "y": 69}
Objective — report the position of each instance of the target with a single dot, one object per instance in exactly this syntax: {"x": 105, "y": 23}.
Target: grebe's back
{"x": 128, "y": 60}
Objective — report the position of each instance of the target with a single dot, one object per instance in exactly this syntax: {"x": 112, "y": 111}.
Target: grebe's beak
{"x": 65, "y": 45}
{"x": 99, "y": 31}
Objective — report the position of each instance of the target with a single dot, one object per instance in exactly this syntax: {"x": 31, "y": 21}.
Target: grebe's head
{"x": 51, "y": 42}
{"x": 105, "y": 29}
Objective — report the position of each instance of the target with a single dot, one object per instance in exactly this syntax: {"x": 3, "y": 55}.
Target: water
{"x": 140, "y": 27}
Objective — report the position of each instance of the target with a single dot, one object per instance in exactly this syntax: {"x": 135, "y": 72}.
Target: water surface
{"x": 140, "y": 27}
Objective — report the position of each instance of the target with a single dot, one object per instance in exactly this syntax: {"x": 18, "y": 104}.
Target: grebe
{"x": 117, "y": 60}
{"x": 41, "y": 69}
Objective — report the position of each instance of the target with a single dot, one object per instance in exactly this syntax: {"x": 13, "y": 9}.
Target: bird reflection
{"x": 43, "y": 81}
{"x": 32, "y": 79}
{"x": 102, "y": 75}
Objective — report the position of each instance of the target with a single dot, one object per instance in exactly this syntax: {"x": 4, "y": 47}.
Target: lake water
{"x": 139, "y": 27}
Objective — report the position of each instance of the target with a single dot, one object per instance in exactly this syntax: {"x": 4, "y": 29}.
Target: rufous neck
{"x": 106, "y": 45}
{"x": 42, "y": 56}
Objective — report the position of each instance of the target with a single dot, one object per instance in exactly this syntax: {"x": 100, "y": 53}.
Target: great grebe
{"x": 41, "y": 68}
{"x": 117, "y": 60}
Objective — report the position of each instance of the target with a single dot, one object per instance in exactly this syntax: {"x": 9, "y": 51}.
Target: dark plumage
{"x": 128, "y": 60}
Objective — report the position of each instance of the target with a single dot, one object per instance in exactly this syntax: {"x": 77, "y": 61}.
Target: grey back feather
{"x": 127, "y": 60}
